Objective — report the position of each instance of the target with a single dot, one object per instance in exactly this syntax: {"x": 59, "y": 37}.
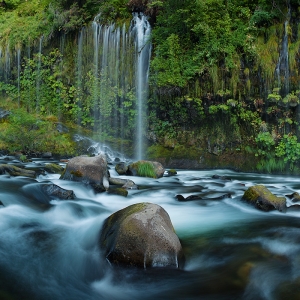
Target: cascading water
{"x": 141, "y": 29}
{"x": 19, "y": 71}
{"x": 106, "y": 82}
{"x": 282, "y": 69}
{"x": 38, "y": 78}
{"x": 7, "y": 64}
{"x": 116, "y": 53}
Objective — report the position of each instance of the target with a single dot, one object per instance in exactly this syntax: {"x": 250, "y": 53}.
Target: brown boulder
{"x": 141, "y": 235}
{"x": 88, "y": 170}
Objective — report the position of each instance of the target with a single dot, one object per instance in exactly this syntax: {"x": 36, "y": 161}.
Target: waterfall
{"x": 19, "y": 72}
{"x": 282, "y": 69}
{"x": 38, "y": 77}
{"x": 7, "y": 65}
{"x": 141, "y": 29}
{"x": 79, "y": 75}
{"x": 120, "y": 69}
{"x": 102, "y": 82}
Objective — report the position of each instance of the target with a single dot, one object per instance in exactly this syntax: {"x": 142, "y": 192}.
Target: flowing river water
{"x": 232, "y": 250}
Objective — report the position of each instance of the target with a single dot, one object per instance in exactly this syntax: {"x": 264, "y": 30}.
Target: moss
{"x": 263, "y": 199}
{"x": 118, "y": 191}
{"x": 76, "y": 173}
{"x": 54, "y": 168}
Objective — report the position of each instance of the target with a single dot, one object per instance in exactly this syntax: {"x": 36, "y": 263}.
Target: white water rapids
{"x": 232, "y": 250}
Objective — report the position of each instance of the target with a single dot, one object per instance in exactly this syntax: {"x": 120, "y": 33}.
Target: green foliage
{"x": 213, "y": 109}
{"x": 289, "y": 149}
{"x": 29, "y": 133}
{"x": 265, "y": 143}
{"x": 291, "y": 99}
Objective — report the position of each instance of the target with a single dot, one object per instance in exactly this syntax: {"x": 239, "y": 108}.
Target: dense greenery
{"x": 31, "y": 134}
{"x": 220, "y": 78}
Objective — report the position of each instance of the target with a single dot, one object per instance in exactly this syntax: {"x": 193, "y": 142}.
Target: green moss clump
{"x": 146, "y": 169}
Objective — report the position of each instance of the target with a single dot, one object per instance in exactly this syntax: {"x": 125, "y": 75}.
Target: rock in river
{"x": 263, "y": 199}
{"x": 89, "y": 170}
{"x": 141, "y": 235}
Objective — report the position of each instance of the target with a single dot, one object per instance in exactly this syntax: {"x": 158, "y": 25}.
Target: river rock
{"x": 88, "y": 170}
{"x": 157, "y": 170}
{"x": 16, "y": 171}
{"x": 121, "y": 168}
{"x": 141, "y": 235}
{"x": 263, "y": 199}
{"x": 54, "y": 191}
{"x": 295, "y": 197}
{"x": 125, "y": 183}
{"x": 54, "y": 168}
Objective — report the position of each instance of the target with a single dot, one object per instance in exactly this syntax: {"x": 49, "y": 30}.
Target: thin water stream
{"x": 232, "y": 250}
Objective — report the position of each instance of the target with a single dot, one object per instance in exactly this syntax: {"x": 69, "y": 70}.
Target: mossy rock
{"x": 54, "y": 168}
{"x": 16, "y": 171}
{"x": 121, "y": 168}
{"x": 172, "y": 172}
{"x": 260, "y": 197}
{"x": 118, "y": 191}
{"x": 145, "y": 168}
{"x": 141, "y": 235}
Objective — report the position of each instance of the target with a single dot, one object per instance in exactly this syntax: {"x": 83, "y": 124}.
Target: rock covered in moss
{"x": 145, "y": 168}
{"x": 172, "y": 172}
{"x": 54, "y": 168}
{"x": 16, "y": 171}
{"x": 120, "y": 191}
{"x": 88, "y": 170}
{"x": 121, "y": 168}
{"x": 260, "y": 197}
{"x": 141, "y": 235}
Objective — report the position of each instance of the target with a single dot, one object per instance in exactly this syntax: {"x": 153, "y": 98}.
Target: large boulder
{"x": 145, "y": 168}
{"x": 260, "y": 197}
{"x": 141, "y": 235}
{"x": 88, "y": 170}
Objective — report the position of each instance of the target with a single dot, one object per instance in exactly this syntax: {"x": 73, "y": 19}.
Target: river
{"x": 232, "y": 250}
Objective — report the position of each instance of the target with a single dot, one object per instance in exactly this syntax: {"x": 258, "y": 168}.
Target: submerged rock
{"x": 125, "y": 183}
{"x": 141, "y": 235}
{"x": 118, "y": 191}
{"x": 295, "y": 197}
{"x": 225, "y": 178}
{"x": 55, "y": 191}
{"x": 16, "y": 171}
{"x": 88, "y": 170}
{"x": 54, "y": 168}
{"x": 189, "y": 198}
{"x": 172, "y": 172}
{"x": 263, "y": 199}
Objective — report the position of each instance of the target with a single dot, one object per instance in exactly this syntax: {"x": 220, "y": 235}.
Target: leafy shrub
{"x": 289, "y": 149}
